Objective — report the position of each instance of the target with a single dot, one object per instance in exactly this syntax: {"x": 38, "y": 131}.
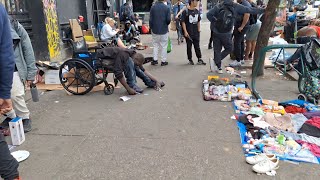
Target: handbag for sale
{"x": 173, "y": 26}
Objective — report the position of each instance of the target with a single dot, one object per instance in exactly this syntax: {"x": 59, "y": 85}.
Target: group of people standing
{"x": 232, "y": 24}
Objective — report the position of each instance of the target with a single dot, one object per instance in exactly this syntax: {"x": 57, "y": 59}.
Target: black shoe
{"x": 191, "y": 62}
{"x": 154, "y": 63}
{"x": 209, "y": 46}
{"x": 26, "y": 125}
{"x": 200, "y": 62}
{"x": 162, "y": 84}
{"x": 164, "y": 63}
{"x": 5, "y": 123}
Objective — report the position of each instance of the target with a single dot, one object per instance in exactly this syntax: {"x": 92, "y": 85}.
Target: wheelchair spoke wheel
{"x": 77, "y": 76}
{"x": 109, "y": 89}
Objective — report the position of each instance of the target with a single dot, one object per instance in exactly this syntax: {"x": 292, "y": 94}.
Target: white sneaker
{"x": 219, "y": 71}
{"x": 258, "y": 158}
{"x": 235, "y": 63}
{"x": 266, "y": 165}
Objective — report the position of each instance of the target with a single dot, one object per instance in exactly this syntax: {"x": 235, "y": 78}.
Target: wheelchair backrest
{"x": 80, "y": 46}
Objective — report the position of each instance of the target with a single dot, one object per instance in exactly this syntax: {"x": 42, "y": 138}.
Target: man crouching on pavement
{"x": 24, "y": 74}
{"x": 123, "y": 63}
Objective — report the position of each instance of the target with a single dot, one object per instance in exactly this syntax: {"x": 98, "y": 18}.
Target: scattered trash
{"x": 21, "y": 155}
{"x": 125, "y": 98}
{"x": 233, "y": 117}
{"x": 42, "y": 94}
{"x": 146, "y": 94}
{"x": 56, "y": 102}
{"x": 243, "y": 72}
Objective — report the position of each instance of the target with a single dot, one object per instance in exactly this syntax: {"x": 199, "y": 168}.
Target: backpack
{"x": 225, "y": 23}
{"x": 253, "y": 17}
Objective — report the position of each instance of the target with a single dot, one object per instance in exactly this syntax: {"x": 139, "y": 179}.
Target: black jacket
{"x": 120, "y": 56}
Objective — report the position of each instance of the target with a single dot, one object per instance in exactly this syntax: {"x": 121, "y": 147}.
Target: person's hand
{"x": 28, "y": 83}
{"x": 177, "y": 17}
{"x": 199, "y": 30}
{"x": 186, "y": 35}
{"x": 117, "y": 30}
{"x": 240, "y": 29}
{"x": 5, "y": 106}
{"x": 132, "y": 91}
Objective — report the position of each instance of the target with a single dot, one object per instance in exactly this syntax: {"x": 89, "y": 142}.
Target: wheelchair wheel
{"x": 77, "y": 76}
{"x": 301, "y": 83}
{"x": 109, "y": 89}
{"x": 302, "y": 97}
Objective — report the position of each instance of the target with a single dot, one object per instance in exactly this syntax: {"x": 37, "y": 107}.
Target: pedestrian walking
{"x": 8, "y": 164}
{"x": 160, "y": 18}
{"x": 176, "y": 9}
{"x": 24, "y": 74}
{"x": 240, "y": 29}
{"x": 222, "y": 18}
{"x": 191, "y": 27}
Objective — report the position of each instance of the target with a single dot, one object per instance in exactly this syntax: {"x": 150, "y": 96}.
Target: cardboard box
{"x": 51, "y": 77}
{"x": 17, "y": 131}
{"x": 77, "y": 33}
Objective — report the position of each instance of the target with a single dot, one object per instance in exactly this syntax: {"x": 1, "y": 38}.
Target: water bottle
{"x": 34, "y": 92}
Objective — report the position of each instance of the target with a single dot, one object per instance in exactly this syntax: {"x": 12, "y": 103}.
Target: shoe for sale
{"x": 191, "y": 62}
{"x": 137, "y": 89}
{"x": 266, "y": 165}
{"x": 258, "y": 158}
{"x": 5, "y": 123}
{"x": 164, "y": 63}
{"x": 220, "y": 71}
{"x": 154, "y": 63}
{"x": 200, "y": 62}
{"x": 235, "y": 63}
{"x": 26, "y": 125}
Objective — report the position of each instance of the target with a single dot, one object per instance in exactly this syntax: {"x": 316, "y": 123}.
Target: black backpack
{"x": 253, "y": 17}
{"x": 225, "y": 23}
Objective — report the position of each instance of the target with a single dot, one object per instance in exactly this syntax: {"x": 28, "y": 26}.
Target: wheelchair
{"x": 84, "y": 70}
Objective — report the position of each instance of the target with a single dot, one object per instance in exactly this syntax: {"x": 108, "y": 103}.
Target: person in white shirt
{"x": 108, "y": 32}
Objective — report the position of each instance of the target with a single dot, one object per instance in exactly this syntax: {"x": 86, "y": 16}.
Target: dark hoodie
{"x": 6, "y": 55}
{"x": 237, "y": 8}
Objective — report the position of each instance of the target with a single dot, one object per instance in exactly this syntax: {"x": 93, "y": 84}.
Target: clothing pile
{"x": 272, "y": 131}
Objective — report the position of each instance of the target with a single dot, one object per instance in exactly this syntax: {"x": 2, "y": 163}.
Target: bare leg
{"x": 253, "y": 47}
{"x": 248, "y": 49}
{"x": 120, "y": 43}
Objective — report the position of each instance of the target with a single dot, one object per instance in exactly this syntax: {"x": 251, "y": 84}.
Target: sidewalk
{"x": 172, "y": 134}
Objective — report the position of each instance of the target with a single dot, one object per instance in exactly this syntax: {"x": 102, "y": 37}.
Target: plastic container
{"x": 34, "y": 92}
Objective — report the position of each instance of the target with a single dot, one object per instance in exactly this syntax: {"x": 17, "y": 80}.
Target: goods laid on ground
{"x": 269, "y": 131}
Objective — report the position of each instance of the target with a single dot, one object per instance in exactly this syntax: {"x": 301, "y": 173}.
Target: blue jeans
{"x": 130, "y": 73}
{"x": 221, "y": 40}
{"x": 147, "y": 81}
{"x": 179, "y": 29}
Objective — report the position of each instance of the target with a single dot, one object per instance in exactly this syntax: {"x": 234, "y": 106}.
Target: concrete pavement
{"x": 172, "y": 134}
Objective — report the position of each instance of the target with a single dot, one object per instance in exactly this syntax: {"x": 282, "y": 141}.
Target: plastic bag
{"x": 169, "y": 47}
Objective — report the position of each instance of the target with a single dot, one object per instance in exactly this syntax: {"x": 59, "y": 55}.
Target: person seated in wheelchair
{"x": 124, "y": 61}
{"x": 149, "y": 80}
{"x": 108, "y": 32}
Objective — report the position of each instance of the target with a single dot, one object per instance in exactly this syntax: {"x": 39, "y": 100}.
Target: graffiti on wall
{"x": 52, "y": 27}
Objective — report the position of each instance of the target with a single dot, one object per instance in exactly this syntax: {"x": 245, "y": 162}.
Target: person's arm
{"x": 28, "y": 54}
{"x": 126, "y": 86}
{"x": 183, "y": 22}
{"x": 151, "y": 18}
{"x": 181, "y": 11}
{"x": 7, "y": 62}
{"x": 118, "y": 72}
{"x": 199, "y": 19}
{"x": 245, "y": 20}
{"x": 168, "y": 18}
{"x": 251, "y": 10}
{"x": 211, "y": 14}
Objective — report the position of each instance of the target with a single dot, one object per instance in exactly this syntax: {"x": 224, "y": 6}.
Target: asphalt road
{"x": 172, "y": 134}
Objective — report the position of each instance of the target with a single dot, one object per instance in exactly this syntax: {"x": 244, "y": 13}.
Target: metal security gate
{"x": 18, "y": 9}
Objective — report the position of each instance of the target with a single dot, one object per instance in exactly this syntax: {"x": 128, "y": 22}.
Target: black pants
{"x": 211, "y": 39}
{"x": 196, "y": 45}
{"x": 219, "y": 41}
{"x": 239, "y": 42}
{"x": 8, "y": 164}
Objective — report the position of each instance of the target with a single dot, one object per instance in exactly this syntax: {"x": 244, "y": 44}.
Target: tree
{"x": 264, "y": 34}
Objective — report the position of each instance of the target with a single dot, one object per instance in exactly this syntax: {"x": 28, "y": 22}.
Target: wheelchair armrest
{"x": 94, "y": 48}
